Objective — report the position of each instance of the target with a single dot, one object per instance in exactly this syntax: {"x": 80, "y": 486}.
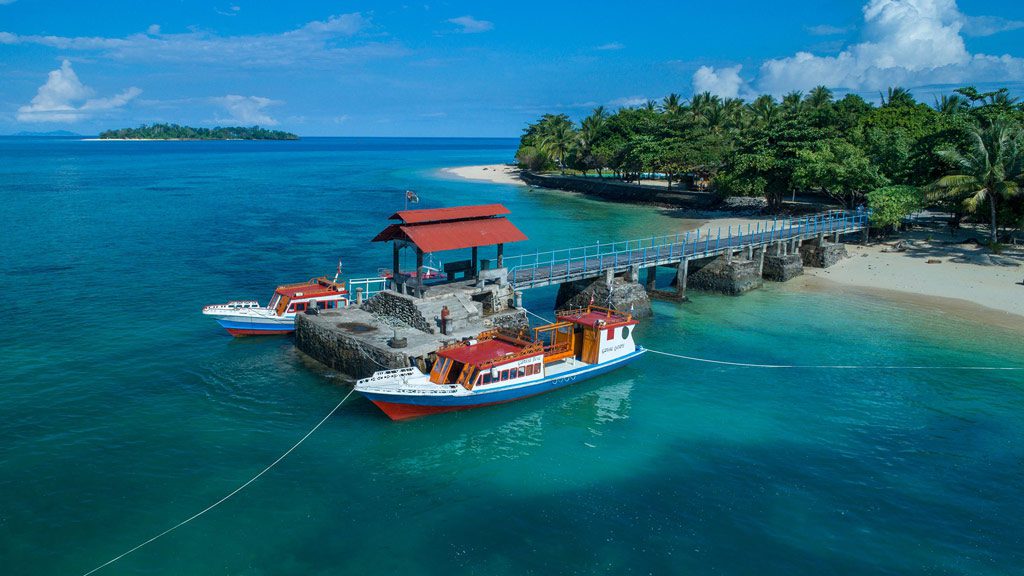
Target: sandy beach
{"x": 494, "y": 173}
{"x": 939, "y": 269}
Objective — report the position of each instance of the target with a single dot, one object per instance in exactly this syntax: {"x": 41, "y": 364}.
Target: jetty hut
{"x": 433, "y": 230}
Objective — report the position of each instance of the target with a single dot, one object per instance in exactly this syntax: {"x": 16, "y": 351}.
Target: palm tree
{"x": 701, "y": 104}
{"x": 672, "y": 104}
{"x": 764, "y": 111}
{"x": 590, "y": 131}
{"x": 556, "y": 137}
{"x": 991, "y": 167}
{"x": 819, "y": 96}
{"x": 897, "y": 96}
{"x": 792, "y": 103}
{"x": 951, "y": 104}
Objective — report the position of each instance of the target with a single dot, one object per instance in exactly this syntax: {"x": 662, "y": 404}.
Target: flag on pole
{"x": 411, "y": 196}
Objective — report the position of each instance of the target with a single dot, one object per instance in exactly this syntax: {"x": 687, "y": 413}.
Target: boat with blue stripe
{"x": 501, "y": 366}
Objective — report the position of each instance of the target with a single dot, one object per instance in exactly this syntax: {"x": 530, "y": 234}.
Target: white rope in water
{"x": 830, "y": 366}
{"x": 811, "y": 366}
{"x": 232, "y": 493}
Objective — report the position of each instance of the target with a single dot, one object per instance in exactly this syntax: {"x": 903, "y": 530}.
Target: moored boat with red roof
{"x": 500, "y": 366}
{"x": 248, "y": 318}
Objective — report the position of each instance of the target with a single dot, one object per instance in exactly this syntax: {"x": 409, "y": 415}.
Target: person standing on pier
{"x": 444, "y": 320}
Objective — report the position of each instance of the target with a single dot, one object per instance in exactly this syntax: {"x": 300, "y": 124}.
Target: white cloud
{"x": 989, "y": 25}
{"x": 64, "y": 98}
{"x": 471, "y": 25}
{"x": 610, "y": 46}
{"x": 905, "y": 42}
{"x": 724, "y": 82}
{"x": 826, "y": 30}
{"x": 626, "y": 102}
{"x": 314, "y": 43}
{"x": 247, "y": 110}
{"x": 2, "y": 2}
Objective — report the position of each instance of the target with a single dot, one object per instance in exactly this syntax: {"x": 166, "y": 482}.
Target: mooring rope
{"x": 831, "y": 366}
{"x": 232, "y": 493}
{"x": 812, "y": 366}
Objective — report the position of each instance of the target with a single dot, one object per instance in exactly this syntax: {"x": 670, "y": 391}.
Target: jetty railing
{"x": 370, "y": 287}
{"x": 557, "y": 266}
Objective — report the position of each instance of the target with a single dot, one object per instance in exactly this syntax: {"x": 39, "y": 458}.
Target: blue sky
{"x": 469, "y": 68}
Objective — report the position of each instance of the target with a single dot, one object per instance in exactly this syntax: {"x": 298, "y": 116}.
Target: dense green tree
{"x": 841, "y": 147}
{"x": 891, "y": 204}
{"x": 837, "y": 168}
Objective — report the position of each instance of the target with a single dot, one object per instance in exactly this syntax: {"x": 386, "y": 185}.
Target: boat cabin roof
{"x": 315, "y": 288}
{"x": 596, "y": 316}
{"x": 491, "y": 348}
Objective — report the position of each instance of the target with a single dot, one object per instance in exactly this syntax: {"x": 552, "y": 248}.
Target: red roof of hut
{"x": 440, "y": 229}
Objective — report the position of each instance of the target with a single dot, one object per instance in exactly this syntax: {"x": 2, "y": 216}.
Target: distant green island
{"x": 176, "y": 132}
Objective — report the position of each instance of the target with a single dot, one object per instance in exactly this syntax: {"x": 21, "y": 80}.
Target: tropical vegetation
{"x": 964, "y": 152}
{"x": 176, "y": 132}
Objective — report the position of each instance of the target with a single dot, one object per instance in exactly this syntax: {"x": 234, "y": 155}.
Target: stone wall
{"x": 782, "y": 268}
{"x": 618, "y": 191}
{"x": 399, "y": 307}
{"x": 725, "y": 277}
{"x": 822, "y": 255}
{"x": 625, "y": 296}
{"x": 342, "y": 352}
{"x": 514, "y": 320}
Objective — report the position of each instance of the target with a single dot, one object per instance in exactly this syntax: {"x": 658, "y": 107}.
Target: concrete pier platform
{"x": 359, "y": 341}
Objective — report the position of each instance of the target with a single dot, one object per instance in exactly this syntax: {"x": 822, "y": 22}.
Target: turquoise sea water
{"x": 124, "y": 411}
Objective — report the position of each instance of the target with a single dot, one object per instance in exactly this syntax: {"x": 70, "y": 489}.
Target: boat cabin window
{"x": 446, "y": 371}
{"x": 274, "y": 301}
{"x": 299, "y": 307}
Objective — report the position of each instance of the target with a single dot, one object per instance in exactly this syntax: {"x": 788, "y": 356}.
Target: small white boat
{"x": 248, "y": 318}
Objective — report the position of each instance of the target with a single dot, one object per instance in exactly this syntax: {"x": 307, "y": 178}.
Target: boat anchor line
{"x": 813, "y": 366}
{"x": 230, "y": 494}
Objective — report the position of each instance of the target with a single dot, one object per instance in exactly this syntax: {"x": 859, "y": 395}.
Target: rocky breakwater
{"x": 725, "y": 276}
{"x": 620, "y": 294}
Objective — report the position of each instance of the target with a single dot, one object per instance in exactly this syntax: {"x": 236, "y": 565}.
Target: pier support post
{"x": 681, "y": 271}
{"x": 652, "y": 277}
{"x": 864, "y": 235}
{"x": 609, "y": 276}
{"x": 760, "y": 261}
{"x": 748, "y": 252}
{"x": 359, "y": 296}
{"x": 835, "y": 238}
{"x": 476, "y": 269}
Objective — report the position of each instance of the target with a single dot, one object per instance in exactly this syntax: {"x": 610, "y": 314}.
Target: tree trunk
{"x": 992, "y": 211}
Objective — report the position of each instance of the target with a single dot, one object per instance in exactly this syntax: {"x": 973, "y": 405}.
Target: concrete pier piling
{"x": 822, "y": 253}
{"x": 727, "y": 276}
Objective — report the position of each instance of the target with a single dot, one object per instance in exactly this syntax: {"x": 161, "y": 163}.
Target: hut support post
{"x": 395, "y": 261}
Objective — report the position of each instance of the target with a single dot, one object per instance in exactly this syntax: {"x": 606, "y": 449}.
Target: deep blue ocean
{"x": 123, "y": 410}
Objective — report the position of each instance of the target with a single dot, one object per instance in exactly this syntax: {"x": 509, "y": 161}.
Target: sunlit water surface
{"x": 124, "y": 411}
